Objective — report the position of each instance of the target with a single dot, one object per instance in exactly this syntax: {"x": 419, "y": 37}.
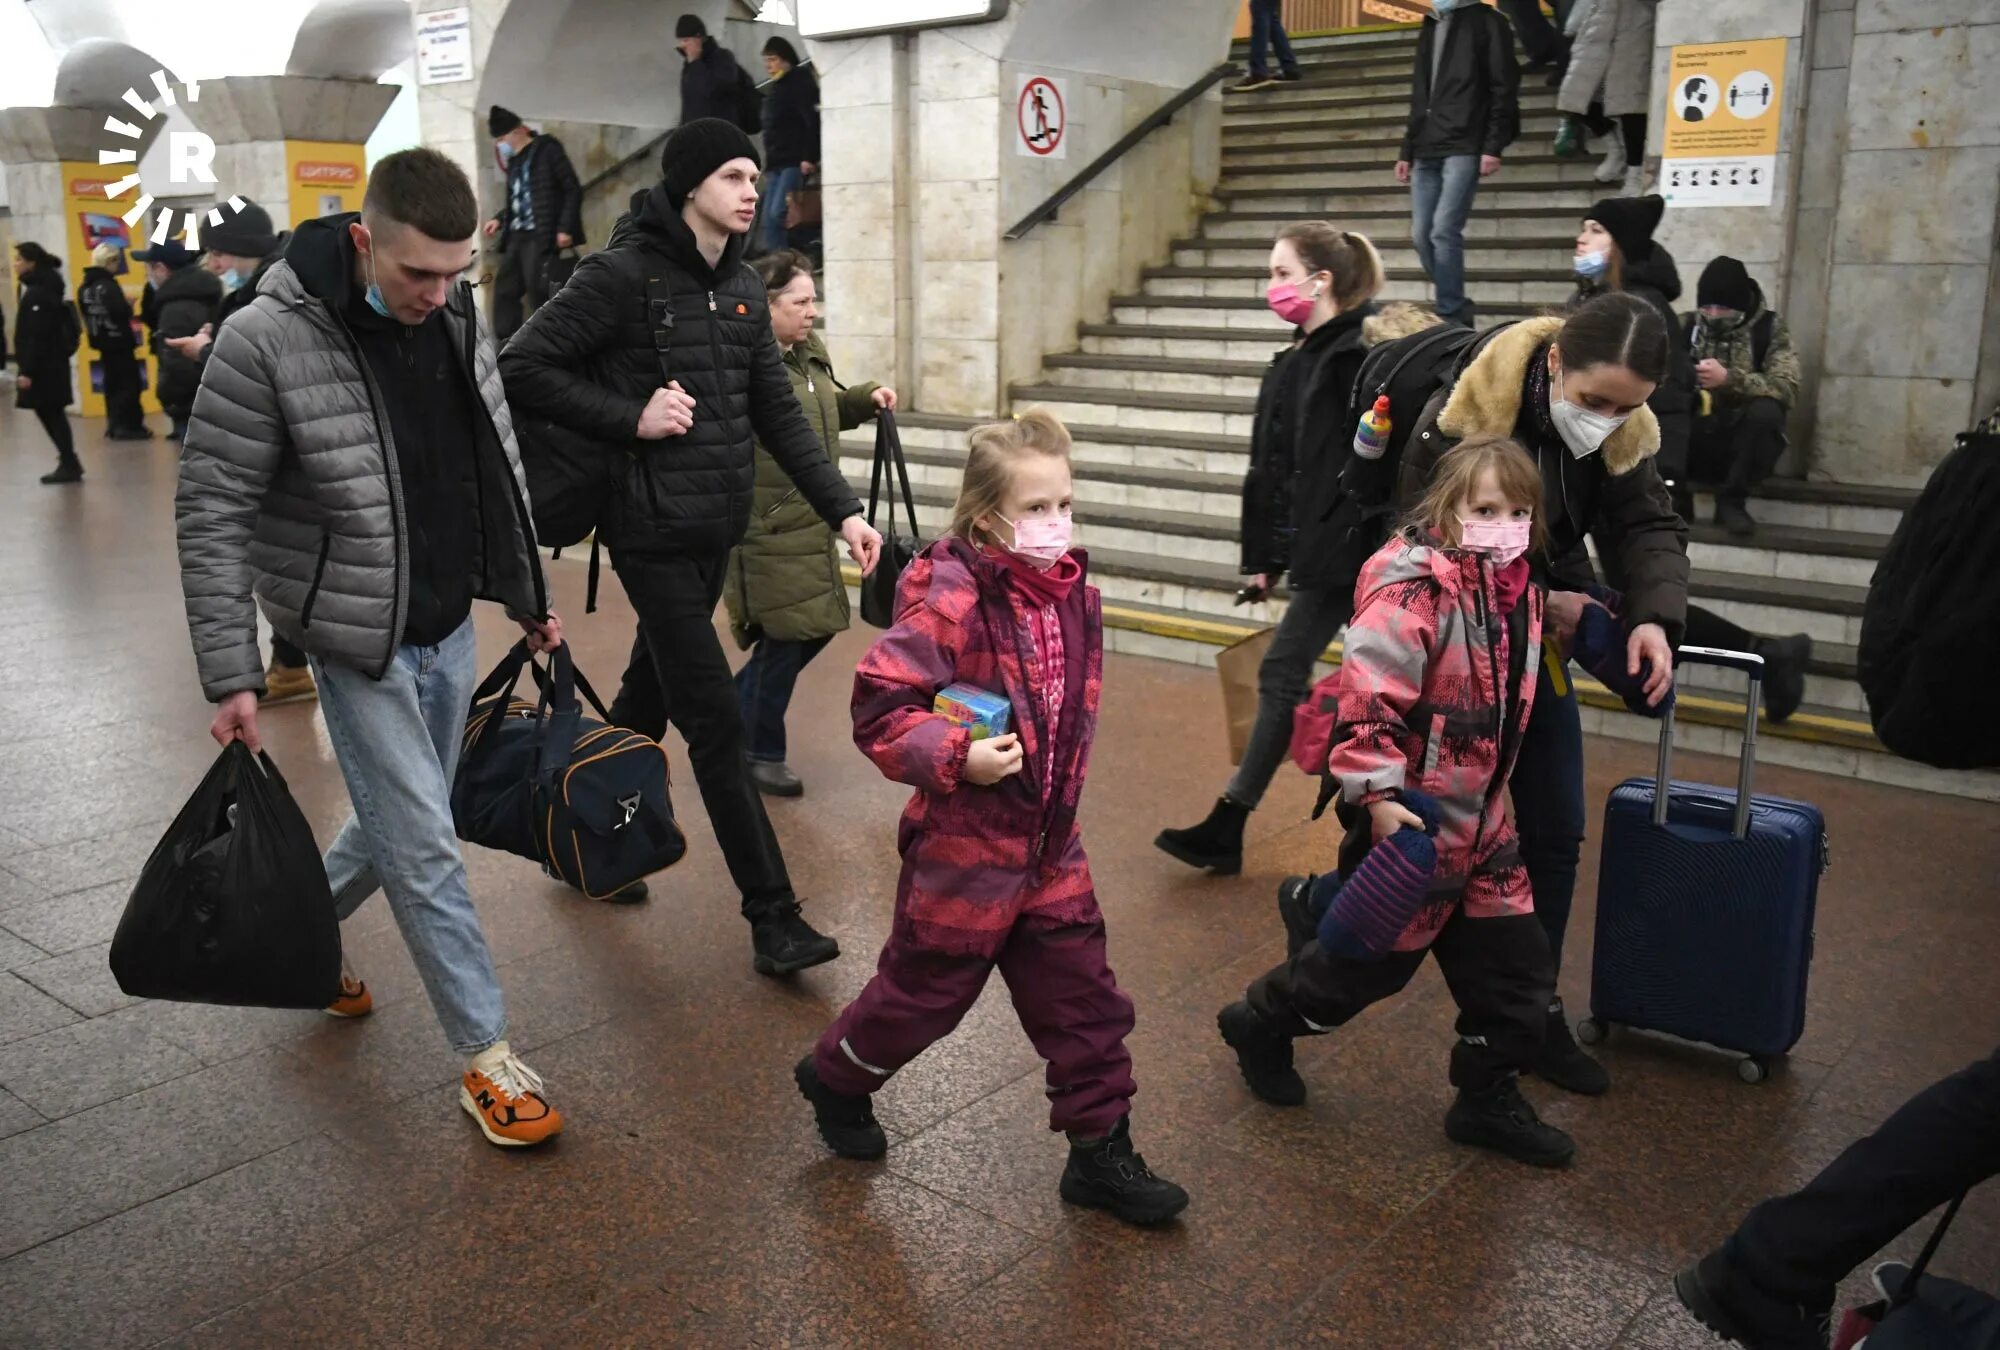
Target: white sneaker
{"x": 1635, "y": 182}
{"x": 1612, "y": 167}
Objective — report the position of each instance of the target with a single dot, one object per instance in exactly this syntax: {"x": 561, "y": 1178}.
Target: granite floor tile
{"x": 26, "y": 1011}
{"x": 387, "y": 1056}
{"x": 77, "y": 1170}
{"x": 15, "y": 953}
{"x": 81, "y": 979}
{"x": 205, "y": 1248}
{"x": 65, "y": 923}
{"x": 117, "y": 855}
{"x": 216, "y": 1035}
{"x": 82, "y": 1065}
{"x": 16, "y": 1115}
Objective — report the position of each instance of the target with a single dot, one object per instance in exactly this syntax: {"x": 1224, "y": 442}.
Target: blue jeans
{"x": 397, "y": 741}
{"x": 779, "y": 185}
{"x": 1547, "y": 790}
{"x": 764, "y": 688}
{"x": 1267, "y": 27}
{"x": 1440, "y": 200}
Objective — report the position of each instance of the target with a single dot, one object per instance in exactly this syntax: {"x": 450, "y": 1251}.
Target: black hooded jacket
{"x": 44, "y": 323}
{"x": 190, "y": 297}
{"x": 1655, "y": 279}
{"x": 107, "y": 313}
{"x": 1473, "y": 105}
{"x": 553, "y": 190}
{"x": 711, "y": 85}
{"x": 791, "y": 119}
{"x": 586, "y": 360}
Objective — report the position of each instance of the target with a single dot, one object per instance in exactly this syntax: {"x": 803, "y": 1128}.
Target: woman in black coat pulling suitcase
{"x": 46, "y": 333}
{"x": 1323, "y": 280}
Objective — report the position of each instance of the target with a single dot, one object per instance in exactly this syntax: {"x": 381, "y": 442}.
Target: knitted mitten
{"x": 1369, "y": 909}
{"x": 1600, "y": 649}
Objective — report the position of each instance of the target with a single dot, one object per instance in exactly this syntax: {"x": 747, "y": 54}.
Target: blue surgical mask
{"x": 231, "y": 279}
{"x": 1591, "y": 265}
{"x": 506, "y": 154}
{"x": 374, "y": 293}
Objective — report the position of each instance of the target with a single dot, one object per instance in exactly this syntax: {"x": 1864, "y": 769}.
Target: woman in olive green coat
{"x": 784, "y": 590}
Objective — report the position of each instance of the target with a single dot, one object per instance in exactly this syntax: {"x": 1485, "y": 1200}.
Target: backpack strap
{"x": 657, "y": 304}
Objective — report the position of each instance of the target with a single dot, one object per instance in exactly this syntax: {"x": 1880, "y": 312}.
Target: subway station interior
{"x": 1076, "y": 206}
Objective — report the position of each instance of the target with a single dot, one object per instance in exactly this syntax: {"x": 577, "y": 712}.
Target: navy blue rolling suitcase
{"x": 1705, "y": 903}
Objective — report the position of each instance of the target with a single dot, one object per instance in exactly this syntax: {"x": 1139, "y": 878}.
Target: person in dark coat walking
{"x": 1464, "y": 112}
{"x": 46, "y": 333}
{"x": 711, "y": 80}
{"x": 107, "y": 322}
{"x": 188, "y": 299}
{"x": 688, "y": 417}
{"x": 1616, "y": 251}
{"x": 541, "y": 216}
{"x": 1323, "y": 280}
{"x": 791, "y": 137}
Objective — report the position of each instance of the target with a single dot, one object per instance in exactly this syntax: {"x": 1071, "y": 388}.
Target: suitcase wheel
{"x": 1752, "y": 1070}
{"x": 1592, "y": 1032}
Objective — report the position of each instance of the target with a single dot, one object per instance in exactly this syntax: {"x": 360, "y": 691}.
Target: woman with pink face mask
{"x": 1427, "y": 714}
{"x": 1322, "y": 281}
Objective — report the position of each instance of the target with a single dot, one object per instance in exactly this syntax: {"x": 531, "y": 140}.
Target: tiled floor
{"x": 214, "y": 1177}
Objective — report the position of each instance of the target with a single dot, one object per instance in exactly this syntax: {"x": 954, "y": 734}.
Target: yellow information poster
{"x": 94, "y": 219}
{"x": 1724, "y": 102}
{"x": 324, "y": 178}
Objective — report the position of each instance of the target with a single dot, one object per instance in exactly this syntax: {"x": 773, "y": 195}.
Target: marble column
{"x": 251, "y": 117}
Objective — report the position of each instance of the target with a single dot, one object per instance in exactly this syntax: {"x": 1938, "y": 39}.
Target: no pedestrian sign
{"x": 1041, "y": 118}
{"x": 1724, "y": 104}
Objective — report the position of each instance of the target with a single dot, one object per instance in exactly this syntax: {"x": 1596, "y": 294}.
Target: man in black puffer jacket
{"x": 541, "y": 215}
{"x": 686, "y": 417}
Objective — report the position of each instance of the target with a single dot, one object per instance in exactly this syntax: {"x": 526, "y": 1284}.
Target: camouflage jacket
{"x": 1730, "y": 343}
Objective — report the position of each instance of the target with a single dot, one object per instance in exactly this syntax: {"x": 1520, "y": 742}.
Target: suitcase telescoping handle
{"x": 1750, "y": 665}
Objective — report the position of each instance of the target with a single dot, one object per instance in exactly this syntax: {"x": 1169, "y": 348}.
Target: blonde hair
{"x": 1459, "y": 470}
{"x": 989, "y": 464}
{"x": 1353, "y": 261}
{"x": 104, "y": 254}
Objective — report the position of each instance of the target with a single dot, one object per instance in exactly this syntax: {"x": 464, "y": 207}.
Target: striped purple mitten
{"x": 1377, "y": 901}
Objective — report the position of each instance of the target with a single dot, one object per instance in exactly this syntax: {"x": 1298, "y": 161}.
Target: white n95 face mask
{"x": 1582, "y": 430}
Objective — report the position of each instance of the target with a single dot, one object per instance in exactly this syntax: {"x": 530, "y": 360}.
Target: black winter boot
{"x": 1501, "y": 1119}
{"x": 1263, "y": 1054}
{"x": 1295, "y": 912}
{"x": 69, "y": 470}
{"x": 1561, "y": 1060}
{"x": 1109, "y": 1174}
{"x": 1216, "y": 843}
{"x": 1784, "y": 673}
{"x": 1724, "y": 1300}
{"x": 784, "y": 942}
{"x": 846, "y": 1123}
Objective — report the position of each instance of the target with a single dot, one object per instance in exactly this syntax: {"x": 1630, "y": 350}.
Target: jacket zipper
{"x": 392, "y": 473}
{"x": 319, "y": 573}
{"x": 521, "y": 515}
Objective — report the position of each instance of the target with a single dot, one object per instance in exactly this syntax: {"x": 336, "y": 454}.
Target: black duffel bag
{"x": 587, "y": 800}
{"x": 233, "y": 906}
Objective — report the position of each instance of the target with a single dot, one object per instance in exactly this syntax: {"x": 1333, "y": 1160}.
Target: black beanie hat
{"x": 247, "y": 234}
{"x": 690, "y": 25}
{"x": 1726, "y": 282}
{"x": 1630, "y": 221}
{"x": 696, "y": 150}
{"x": 783, "y": 50}
{"x": 500, "y": 121}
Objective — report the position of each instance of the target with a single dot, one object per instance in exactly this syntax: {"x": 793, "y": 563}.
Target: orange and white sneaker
{"x": 354, "y": 1000}
{"x": 505, "y": 1097}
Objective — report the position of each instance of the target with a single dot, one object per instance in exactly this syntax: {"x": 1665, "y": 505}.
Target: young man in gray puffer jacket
{"x": 351, "y": 468}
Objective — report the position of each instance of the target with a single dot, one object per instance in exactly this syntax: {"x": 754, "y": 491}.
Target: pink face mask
{"x": 1504, "y": 540}
{"x": 1042, "y": 540}
{"x": 1286, "y": 302}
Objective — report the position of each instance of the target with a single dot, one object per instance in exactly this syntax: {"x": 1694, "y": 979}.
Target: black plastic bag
{"x": 233, "y": 906}
{"x": 878, "y": 589}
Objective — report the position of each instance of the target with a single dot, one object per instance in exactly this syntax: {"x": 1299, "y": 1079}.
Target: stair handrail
{"x": 1159, "y": 117}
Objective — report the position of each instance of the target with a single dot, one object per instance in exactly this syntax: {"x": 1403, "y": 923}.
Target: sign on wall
{"x": 1724, "y": 101}
{"x": 93, "y": 219}
{"x": 1041, "y": 118}
{"x": 444, "y": 45}
{"x": 324, "y": 178}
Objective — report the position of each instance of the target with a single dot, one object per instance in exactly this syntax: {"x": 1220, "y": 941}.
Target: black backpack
{"x": 1408, "y": 371}
{"x": 749, "y": 103}
{"x": 589, "y": 801}
{"x": 572, "y": 476}
{"x": 1930, "y": 629}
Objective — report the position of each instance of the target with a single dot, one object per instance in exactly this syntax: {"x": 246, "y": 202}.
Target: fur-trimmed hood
{"x": 1487, "y": 398}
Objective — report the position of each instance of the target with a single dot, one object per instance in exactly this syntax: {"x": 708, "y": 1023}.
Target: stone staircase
{"x": 1160, "y": 398}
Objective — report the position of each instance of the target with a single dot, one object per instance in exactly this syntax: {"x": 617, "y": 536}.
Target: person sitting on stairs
{"x": 1749, "y": 377}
